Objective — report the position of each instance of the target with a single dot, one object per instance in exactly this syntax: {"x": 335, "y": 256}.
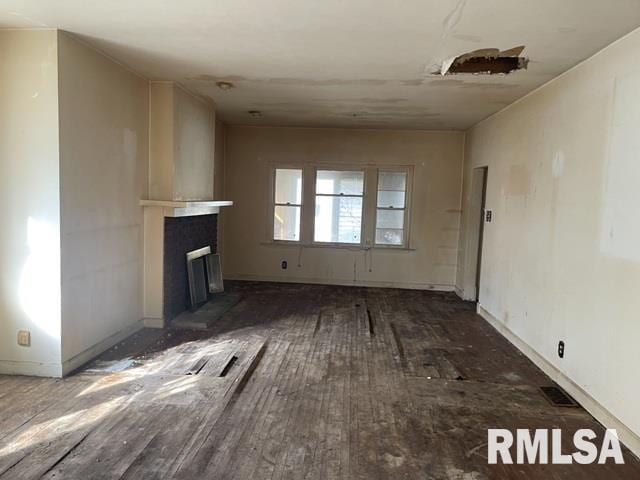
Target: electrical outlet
{"x": 561, "y": 349}
{"x": 284, "y": 264}
{"x": 24, "y": 338}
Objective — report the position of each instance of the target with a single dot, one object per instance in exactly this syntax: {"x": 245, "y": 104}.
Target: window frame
{"x": 274, "y": 204}
{"x": 408, "y": 171}
{"x": 341, "y": 168}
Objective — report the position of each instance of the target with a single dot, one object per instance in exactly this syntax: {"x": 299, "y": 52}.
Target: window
{"x": 339, "y": 198}
{"x": 391, "y": 207}
{"x": 287, "y": 204}
{"x": 337, "y": 209}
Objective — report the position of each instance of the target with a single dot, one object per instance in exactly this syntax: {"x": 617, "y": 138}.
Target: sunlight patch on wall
{"x": 40, "y": 279}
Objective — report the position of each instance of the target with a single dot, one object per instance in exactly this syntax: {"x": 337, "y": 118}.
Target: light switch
{"x": 24, "y": 338}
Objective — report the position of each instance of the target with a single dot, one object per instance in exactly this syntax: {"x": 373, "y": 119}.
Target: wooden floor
{"x": 299, "y": 382}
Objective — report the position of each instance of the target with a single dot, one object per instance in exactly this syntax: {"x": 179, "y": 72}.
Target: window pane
{"x": 392, "y": 181}
{"x": 389, "y": 227}
{"x": 289, "y": 186}
{"x": 338, "y": 219}
{"x": 389, "y": 236}
{"x": 388, "y": 199}
{"x": 286, "y": 223}
{"x": 390, "y": 219}
{"x": 333, "y": 182}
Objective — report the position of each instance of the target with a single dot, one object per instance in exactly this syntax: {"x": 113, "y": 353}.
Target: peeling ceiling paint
{"x": 362, "y": 63}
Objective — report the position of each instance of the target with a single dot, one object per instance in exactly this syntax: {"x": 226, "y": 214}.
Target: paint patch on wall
{"x": 620, "y": 231}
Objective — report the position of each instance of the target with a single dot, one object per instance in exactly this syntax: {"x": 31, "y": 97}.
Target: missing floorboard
{"x": 228, "y": 366}
{"x": 372, "y": 330}
{"x": 318, "y": 323}
{"x": 250, "y": 369}
{"x": 198, "y": 366}
{"x": 396, "y": 337}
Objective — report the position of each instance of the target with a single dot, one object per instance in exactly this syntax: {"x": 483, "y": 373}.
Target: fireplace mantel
{"x": 177, "y": 208}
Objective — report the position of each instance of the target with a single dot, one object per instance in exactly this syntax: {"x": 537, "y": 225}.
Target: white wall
{"x": 561, "y": 258}
{"x": 437, "y": 160}
{"x": 29, "y": 202}
{"x": 104, "y": 142}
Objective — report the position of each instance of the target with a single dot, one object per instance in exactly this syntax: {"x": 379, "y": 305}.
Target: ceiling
{"x": 342, "y": 63}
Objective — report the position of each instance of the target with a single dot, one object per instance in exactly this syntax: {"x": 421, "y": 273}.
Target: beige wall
{"x": 194, "y": 143}
{"x": 161, "y": 149}
{"x": 437, "y": 161}
{"x": 219, "y": 159}
{"x": 219, "y": 192}
{"x": 182, "y": 147}
{"x": 29, "y": 202}
{"x": 104, "y": 141}
{"x": 561, "y": 258}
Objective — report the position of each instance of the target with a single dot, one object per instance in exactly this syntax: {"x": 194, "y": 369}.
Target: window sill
{"x": 339, "y": 246}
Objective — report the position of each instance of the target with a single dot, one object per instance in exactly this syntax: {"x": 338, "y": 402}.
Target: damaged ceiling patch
{"x": 486, "y": 61}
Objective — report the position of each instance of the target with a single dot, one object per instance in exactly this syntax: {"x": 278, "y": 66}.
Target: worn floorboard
{"x": 327, "y": 383}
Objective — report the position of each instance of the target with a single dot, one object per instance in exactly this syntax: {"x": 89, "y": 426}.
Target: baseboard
{"x": 80, "y": 359}
{"x": 357, "y": 283}
{"x": 34, "y": 369}
{"x": 154, "y": 322}
{"x": 604, "y": 416}
{"x": 460, "y": 292}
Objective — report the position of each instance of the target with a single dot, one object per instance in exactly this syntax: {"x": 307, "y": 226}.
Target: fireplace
{"x": 171, "y": 229}
{"x": 181, "y": 236}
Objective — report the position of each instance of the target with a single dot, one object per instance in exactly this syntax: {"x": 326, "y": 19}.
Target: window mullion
{"x": 369, "y": 206}
{"x": 308, "y": 203}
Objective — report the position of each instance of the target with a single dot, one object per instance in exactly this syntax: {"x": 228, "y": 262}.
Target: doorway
{"x": 476, "y": 221}
{"x": 482, "y": 181}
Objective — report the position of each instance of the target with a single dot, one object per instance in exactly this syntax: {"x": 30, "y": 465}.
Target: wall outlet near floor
{"x": 284, "y": 264}
{"x": 561, "y": 349}
{"x": 24, "y": 338}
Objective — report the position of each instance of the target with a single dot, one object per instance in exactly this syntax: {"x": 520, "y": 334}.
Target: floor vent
{"x": 558, "y": 397}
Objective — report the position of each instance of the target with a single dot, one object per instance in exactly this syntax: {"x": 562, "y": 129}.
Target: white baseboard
{"x": 154, "y": 322}
{"x": 80, "y": 359}
{"x": 34, "y": 369}
{"x": 464, "y": 294}
{"x": 324, "y": 281}
{"x": 590, "y": 404}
